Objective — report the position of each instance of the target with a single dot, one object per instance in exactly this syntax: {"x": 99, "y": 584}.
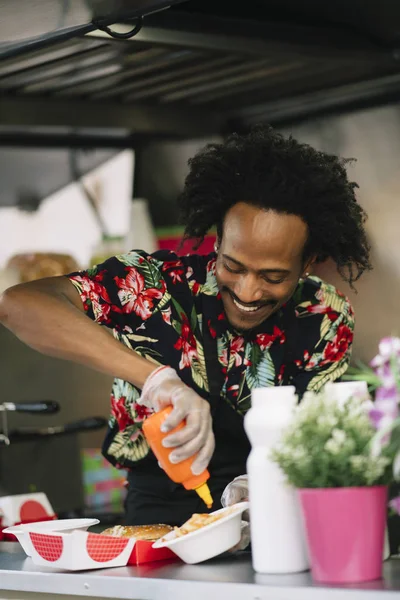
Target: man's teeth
{"x": 245, "y": 308}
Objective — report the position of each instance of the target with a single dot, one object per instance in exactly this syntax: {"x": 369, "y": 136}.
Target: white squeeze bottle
{"x": 277, "y": 535}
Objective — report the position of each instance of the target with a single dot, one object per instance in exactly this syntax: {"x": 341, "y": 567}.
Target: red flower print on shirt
{"x": 265, "y": 340}
{"x": 140, "y": 413}
{"x": 166, "y": 315}
{"x": 134, "y": 296}
{"x": 193, "y": 284}
{"x": 176, "y": 270}
{"x": 335, "y": 350}
{"x": 211, "y": 329}
{"x": 236, "y": 347}
{"x": 234, "y": 390}
{"x": 322, "y": 309}
{"x": 102, "y": 312}
{"x": 120, "y": 412}
{"x": 195, "y": 287}
{"x": 92, "y": 292}
{"x": 281, "y": 373}
{"x": 211, "y": 266}
{"x": 186, "y": 343}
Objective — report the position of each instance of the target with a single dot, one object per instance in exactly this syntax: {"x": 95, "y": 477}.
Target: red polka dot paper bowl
{"x": 78, "y": 550}
{"x": 56, "y": 525}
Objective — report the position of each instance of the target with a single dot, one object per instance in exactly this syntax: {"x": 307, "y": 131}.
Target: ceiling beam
{"x": 249, "y": 37}
{"x": 32, "y": 138}
{"x": 330, "y": 100}
{"x": 138, "y": 119}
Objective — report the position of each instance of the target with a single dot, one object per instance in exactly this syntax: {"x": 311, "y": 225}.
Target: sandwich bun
{"x": 149, "y": 533}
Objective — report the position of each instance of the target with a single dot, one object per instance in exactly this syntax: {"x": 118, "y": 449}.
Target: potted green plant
{"x": 328, "y": 454}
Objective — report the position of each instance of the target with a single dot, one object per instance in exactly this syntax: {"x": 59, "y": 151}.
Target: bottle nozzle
{"x": 205, "y": 494}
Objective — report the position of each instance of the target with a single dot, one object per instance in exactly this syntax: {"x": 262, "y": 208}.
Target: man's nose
{"x": 248, "y": 289}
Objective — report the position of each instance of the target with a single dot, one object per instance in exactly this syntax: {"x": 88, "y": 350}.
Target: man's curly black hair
{"x": 276, "y": 173}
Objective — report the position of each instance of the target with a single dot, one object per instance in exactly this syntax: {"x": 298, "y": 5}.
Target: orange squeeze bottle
{"x": 180, "y": 472}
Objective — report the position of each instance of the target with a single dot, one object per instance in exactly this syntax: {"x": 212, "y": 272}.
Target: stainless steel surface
{"x": 230, "y": 578}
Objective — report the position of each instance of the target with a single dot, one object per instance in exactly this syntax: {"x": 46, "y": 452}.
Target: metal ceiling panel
{"x": 169, "y": 61}
{"x": 110, "y": 81}
{"x": 178, "y": 87}
{"x": 186, "y": 73}
{"x": 161, "y": 82}
{"x": 56, "y": 67}
{"x": 37, "y": 57}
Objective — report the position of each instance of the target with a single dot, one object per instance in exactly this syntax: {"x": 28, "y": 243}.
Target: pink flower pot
{"x": 345, "y": 529}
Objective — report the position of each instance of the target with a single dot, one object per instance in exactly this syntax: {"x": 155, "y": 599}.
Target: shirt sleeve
{"x": 123, "y": 291}
{"x": 331, "y": 355}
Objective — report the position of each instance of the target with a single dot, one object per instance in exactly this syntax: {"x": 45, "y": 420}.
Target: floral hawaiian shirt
{"x": 159, "y": 305}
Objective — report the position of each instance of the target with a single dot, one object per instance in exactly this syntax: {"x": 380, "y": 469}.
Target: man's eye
{"x": 236, "y": 271}
{"x": 275, "y": 281}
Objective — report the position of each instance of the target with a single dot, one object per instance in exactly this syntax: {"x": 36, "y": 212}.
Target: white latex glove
{"x": 163, "y": 388}
{"x": 244, "y": 537}
{"x": 238, "y": 491}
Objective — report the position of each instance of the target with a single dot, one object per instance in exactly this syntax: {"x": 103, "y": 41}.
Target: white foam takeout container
{"x": 209, "y": 541}
{"x": 21, "y": 531}
{"x": 78, "y": 550}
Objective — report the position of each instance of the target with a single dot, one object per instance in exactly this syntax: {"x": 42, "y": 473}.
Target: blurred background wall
{"x": 371, "y": 136}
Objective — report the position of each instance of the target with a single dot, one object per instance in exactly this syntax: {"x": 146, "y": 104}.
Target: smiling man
{"x": 256, "y": 279}
{"x": 200, "y": 332}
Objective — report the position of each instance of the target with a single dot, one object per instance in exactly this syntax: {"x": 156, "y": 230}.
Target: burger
{"x": 149, "y": 533}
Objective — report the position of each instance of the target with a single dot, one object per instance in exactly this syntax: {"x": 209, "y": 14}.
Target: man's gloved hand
{"x": 164, "y": 388}
{"x": 238, "y": 491}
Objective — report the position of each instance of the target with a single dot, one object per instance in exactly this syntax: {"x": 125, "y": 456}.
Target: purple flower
{"x": 395, "y": 504}
{"x": 388, "y": 347}
{"x": 376, "y": 416}
{"x": 386, "y": 375}
{"x": 383, "y": 414}
{"x": 385, "y": 410}
{"x": 387, "y": 395}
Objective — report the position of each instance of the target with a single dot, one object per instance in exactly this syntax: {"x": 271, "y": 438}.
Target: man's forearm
{"x": 52, "y": 325}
